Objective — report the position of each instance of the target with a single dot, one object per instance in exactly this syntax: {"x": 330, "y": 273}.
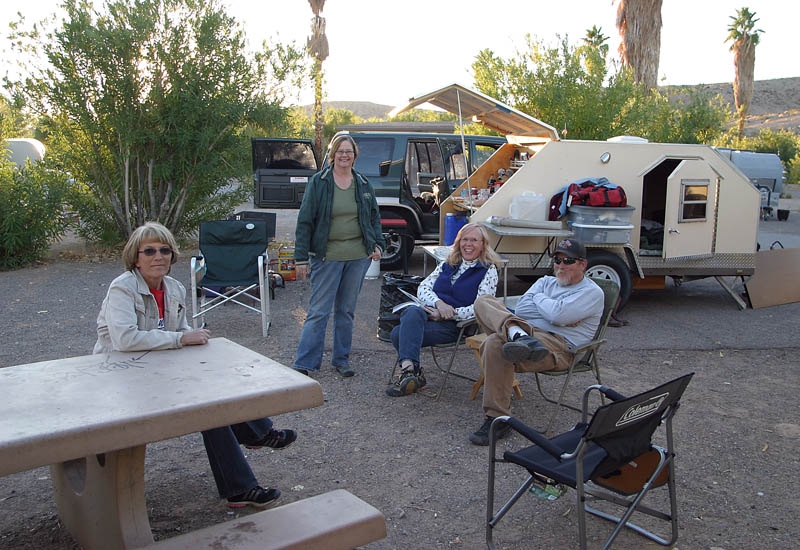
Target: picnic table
{"x": 91, "y": 417}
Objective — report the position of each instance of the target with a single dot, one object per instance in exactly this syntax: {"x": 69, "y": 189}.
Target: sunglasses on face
{"x": 565, "y": 261}
{"x": 164, "y": 251}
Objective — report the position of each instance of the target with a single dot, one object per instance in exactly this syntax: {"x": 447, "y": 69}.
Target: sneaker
{"x": 407, "y": 383}
{"x": 257, "y": 497}
{"x": 481, "y": 437}
{"x": 302, "y": 371}
{"x": 345, "y": 370}
{"x": 525, "y": 348}
{"x": 275, "y": 439}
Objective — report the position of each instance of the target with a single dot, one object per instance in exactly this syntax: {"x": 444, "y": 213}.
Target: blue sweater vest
{"x": 465, "y": 289}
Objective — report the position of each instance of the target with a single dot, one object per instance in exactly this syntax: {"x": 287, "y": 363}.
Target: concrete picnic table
{"x": 91, "y": 417}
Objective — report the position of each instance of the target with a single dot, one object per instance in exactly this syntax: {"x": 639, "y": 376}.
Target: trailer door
{"x": 690, "y": 210}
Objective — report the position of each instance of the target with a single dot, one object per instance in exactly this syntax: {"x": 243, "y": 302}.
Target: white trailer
{"x": 695, "y": 213}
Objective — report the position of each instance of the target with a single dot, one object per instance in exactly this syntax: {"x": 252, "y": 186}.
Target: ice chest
{"x": 601, "y": 224}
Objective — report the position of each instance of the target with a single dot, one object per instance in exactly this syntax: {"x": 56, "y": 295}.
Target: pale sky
{"x": 386, "y": 52}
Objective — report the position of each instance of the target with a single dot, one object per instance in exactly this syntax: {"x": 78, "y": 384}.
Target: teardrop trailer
{"x": 694, "y": 214}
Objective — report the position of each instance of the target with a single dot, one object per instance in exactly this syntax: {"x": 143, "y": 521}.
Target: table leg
{"x": 100, "y": 499}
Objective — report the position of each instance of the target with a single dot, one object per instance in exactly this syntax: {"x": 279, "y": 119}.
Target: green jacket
{"x": 314, "y": 218}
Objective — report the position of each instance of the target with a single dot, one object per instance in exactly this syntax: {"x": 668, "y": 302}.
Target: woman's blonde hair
{"x": 488, "y": 255}
{"x": 336, "y": 142}
{"x": 150, "y": 231}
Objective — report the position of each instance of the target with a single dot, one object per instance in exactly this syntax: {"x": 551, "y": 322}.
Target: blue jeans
{"x": 231, "y": 471}
{"x": 416, "y": 331}
{"x": 334, "y": 285}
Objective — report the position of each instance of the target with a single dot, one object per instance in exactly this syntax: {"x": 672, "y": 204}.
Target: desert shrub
{"x": 31, "y": 212}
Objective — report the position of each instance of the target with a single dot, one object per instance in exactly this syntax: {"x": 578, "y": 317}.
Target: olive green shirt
{"x": 345, "y": 241}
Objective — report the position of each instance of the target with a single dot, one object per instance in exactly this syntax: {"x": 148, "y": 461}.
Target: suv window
{"x": 373, "y": 153}
{"x": 283, "y": 155}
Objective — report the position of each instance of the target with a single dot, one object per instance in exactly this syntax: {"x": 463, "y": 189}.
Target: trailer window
{"x": 694, "y": 200}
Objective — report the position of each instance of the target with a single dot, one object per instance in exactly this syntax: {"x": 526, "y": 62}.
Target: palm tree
{"x": 744, "y": 38}
{"x": 318, "y": 46}
{"x": 595, "y": 41}
{"x": 639, "y": 24}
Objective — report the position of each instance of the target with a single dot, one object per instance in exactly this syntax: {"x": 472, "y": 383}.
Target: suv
{"x": 412, "y": 174}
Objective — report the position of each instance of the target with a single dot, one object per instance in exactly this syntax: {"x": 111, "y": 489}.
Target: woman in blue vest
{"x": 447, "y": 294}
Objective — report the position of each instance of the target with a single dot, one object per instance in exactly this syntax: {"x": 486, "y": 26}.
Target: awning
{"x": 482, "y": 109}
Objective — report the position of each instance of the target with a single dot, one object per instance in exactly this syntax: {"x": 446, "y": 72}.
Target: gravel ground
{"x": 737, "y": 432}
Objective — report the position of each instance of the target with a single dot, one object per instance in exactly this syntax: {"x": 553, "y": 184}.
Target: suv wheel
{"x": 397, "y": 244}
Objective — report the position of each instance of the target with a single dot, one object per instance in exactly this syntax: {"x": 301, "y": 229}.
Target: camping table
{"x": 91, "y": 417}
{"x": 550, "y": 236}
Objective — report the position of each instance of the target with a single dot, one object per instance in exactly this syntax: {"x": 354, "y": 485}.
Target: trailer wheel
{"x": 609, "y": 266}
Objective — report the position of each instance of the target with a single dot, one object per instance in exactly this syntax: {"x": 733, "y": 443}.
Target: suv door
{"x": 281, "y": 168}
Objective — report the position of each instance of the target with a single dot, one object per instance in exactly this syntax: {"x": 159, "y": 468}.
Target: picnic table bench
{"x": 91, "y": 417}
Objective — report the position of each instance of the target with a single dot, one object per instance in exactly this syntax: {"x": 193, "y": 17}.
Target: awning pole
{"x": 467, "y": 160}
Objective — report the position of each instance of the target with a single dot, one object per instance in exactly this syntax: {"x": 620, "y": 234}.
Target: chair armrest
{"x": 613, "y": 395}
{"x": 532, "y": 435}
{"x": 198, "y": 267}
{"x": 579, "y": 350}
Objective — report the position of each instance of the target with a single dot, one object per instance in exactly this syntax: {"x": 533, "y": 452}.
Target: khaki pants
{"x": 494, "y": 318}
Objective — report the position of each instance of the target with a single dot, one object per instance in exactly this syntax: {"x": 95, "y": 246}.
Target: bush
{"x": 31, "y": 212}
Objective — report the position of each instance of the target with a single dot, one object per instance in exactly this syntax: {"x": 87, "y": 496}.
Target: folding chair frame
{"x": 464, "y": 326}
{"x": 577, "y": 450}
{"x": 201, "y": 305}
{"x": 584, "y": 357}
{"x": 241, "y": 241}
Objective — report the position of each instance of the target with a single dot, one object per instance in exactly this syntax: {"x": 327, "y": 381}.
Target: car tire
{"x": 397, "y": 245}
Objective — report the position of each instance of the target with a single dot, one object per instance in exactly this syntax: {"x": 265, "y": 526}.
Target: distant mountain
{"x": 776, "y": 104}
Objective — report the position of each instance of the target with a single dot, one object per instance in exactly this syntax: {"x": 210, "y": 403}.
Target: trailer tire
{"x": 609, "y": 266}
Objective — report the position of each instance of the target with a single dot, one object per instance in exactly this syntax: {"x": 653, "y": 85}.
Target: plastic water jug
{"x": 528, "y": 206}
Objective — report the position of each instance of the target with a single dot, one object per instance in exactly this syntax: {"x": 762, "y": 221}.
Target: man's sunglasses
{"x": 566, "y": 261}
{"x": 164, "y": 250}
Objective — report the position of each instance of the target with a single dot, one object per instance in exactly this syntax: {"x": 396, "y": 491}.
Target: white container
{"x": 528, "y": 206}
{"x": 374, "y": 270}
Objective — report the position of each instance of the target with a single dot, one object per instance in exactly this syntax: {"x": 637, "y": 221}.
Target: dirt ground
{"x": 737, "y": 432}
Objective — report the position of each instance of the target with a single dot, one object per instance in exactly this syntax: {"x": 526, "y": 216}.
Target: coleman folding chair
{"x": 610, "y": 460}
{"x": 232, "y": 268}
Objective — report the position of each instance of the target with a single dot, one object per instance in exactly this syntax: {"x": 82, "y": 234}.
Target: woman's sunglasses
{"x": 565, "y": 261}
{"x": 164, "y": 250}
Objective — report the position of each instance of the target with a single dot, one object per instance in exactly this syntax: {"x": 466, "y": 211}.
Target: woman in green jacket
{"x": 338, "y": 234}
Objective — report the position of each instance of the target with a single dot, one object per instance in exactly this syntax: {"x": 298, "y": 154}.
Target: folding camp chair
{"x": 232, "y": 266}
{"x": 466, "y": 328}
{"x": 611, "y": 459}
{"x": 585, "y": 356}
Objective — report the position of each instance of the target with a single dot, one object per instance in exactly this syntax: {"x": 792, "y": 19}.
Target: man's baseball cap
{"x": 571, "y": 248}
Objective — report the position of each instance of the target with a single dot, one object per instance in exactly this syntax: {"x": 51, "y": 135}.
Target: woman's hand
{"x": 445, "y": 310}
{"x": 433, "y": 313}
{"x": 301, "y": 271}
{"x": 196, "y": 337}
{"x": 376, "y": 254}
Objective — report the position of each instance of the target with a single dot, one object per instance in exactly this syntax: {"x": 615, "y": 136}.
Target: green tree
{"x": 744, "y": 38}
{"x": 558, "y": 84}
{"x": 318, "y": 46}
{"x": 144, "y": 102}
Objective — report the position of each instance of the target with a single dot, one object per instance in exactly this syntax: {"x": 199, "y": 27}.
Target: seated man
{"x": 555, "y": 312}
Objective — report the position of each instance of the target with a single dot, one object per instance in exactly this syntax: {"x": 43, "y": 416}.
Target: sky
{"x": 386, "y": 52}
